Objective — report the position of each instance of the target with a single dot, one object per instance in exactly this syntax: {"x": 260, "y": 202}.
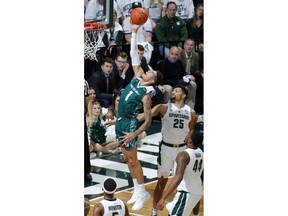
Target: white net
{"x": 91, "y": 41}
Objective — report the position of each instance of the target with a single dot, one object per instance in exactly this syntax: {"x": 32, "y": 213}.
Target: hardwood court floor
{"x": 114, "y": 166}
{"x": 146, "y": 210}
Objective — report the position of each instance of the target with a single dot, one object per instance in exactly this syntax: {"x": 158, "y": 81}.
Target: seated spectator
{"x": 90, "y": 99}
{"x": 94, "y": 10}
{"x": 104, "y": 82}
{"x": 185, "y": 8}
{"x": 112, "y": 38}
{"x": 174, "y": 73}
{"x": 189, "y": 57}
{"x": 122, "y": 70}
{"x": 97, "y": 133}
{"x": 155, "y": 10}
{"x": 190, "y": 61}
{"x": 195, "y": 26}
{"x": 170, "y": 28}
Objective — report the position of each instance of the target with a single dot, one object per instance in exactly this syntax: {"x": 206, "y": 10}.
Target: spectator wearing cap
{"x": 145, "y": 32}
{"x": 110, "y": 205}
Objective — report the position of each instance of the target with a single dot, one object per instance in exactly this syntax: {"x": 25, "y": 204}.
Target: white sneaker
{"x": 142, "y": 198}
{"x": 133, "y": 198}
{"x": 154, "y": 212}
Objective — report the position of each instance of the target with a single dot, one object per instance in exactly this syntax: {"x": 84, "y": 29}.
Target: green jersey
{"x": 131, "y": 97}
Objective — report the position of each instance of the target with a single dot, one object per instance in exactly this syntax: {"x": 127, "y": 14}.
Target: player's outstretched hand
{"x": 135, "y": 27}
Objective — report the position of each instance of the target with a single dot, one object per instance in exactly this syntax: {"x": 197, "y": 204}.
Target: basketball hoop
{"x": 93, "y": 35}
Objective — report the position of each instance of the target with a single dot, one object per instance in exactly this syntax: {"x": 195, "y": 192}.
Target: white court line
{"x": 150, "y": 173}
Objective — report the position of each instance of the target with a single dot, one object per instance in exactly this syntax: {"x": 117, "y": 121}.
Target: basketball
{"x": 138, "y": 16}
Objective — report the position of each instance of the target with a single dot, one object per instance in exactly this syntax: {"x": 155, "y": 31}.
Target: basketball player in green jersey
{"x": 137, "y": 93}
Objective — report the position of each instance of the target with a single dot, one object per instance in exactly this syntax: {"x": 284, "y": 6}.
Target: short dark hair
{"x": 140, "y": 47}
{"x": 107, "y": 59}
{"x": 171, "y": 2}
{"x": 183, "y": 88}
{"x": 122, "y": 55}
{"x": 197, "y": 138}
{"x": 109, "y": 186}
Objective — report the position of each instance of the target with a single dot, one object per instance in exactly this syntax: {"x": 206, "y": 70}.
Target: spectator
{"x": 170, "y": 28}
{"x": 104, "y": 82}
{"x": 174, "y": 73}
{"x": 87, "y": 164}
{"x": 189, "y": 57}
{"x": 187, "y": 179}
{"x": 94, "y": 10}
{"x": 97, "y": 133}
{"x": 185, "y": 8}
{"x": 195, "y": 26}
{"x": 90, "y": 99}
{"x": 126, "y": 6}
{"x": 112, "y": 38}
{"x": 145, "y": 31}
{"x": 122, "y": 70}
{"x": 190, "y": 60}
{"x": 155, "y": 10}
{"x": 110, "y": 205}
{"x": 112, "y": 111}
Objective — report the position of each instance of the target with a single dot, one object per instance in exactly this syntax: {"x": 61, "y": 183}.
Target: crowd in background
{"x": 162, "y": 45}
{"x": 171, "y": 41}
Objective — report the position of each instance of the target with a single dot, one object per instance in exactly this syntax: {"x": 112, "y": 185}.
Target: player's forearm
{"x": 172, "y": 187}
{"x": 146, "y": 124}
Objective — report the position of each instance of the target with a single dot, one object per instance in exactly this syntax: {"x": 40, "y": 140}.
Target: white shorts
{"x": 183, "y": 203}
{"x": 167, "y": 156}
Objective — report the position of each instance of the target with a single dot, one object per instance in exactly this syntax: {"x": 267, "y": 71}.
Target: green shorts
{"x": 126, "y": 125}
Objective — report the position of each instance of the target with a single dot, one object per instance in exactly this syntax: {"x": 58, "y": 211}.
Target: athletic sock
{"x": 141, "y": 188}
{"x": 135, "y": 184}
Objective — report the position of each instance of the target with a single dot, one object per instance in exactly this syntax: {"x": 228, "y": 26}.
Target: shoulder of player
{"x": 98, "y": 209}
{"x": 183, "y": 158}
{"x": 160, "y": 109}
{"x": 192, "y": 112}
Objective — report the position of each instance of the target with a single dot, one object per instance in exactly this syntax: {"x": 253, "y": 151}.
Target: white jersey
{"x": 126, "y": 5}
{"x": 113, "y": 207}
{"x": 93, "y": 10}
{"x": 185, "y": 8}
{"x": 141, "y": 33}
{"x": 191, "y": 181}
{"x": 175, "y": 124}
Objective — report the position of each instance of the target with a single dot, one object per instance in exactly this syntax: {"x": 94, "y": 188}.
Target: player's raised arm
{"x": 138, "y": 71}
{"x": 193, "y": 120}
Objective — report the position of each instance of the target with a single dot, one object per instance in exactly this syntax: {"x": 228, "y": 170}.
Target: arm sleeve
{"x": 134, "y": 50}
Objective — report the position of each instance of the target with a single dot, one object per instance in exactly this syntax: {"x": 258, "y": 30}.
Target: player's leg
{"x": 165, "y": 164}
{"x": 196, "y": 209}
{"x": 183, "y": 203}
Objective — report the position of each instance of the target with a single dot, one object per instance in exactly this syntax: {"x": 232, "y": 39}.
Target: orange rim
{"x": 92, "y": 26}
